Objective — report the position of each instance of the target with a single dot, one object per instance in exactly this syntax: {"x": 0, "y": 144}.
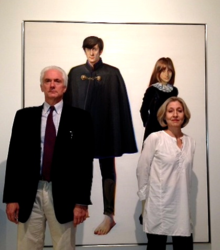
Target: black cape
{"x": 107, "y": 101}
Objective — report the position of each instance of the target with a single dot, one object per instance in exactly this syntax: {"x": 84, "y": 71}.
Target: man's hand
{"x": 12, "y": 211}
{"x": 80, "y": 214}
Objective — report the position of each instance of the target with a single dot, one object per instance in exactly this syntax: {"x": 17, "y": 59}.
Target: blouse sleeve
{"x": 144, "y": 165}
{"x": 148, "y": 101}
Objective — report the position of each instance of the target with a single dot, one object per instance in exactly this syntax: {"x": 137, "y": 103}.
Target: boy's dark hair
{"x": 91, "y": 41}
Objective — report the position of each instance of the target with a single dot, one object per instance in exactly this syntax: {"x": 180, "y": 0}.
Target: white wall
{"x": 12, "y": 14}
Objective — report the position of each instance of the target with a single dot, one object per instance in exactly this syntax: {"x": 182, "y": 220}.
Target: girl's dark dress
{"x": 154, "y": 97}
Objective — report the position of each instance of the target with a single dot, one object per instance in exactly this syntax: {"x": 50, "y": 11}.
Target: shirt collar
{"x": 163, "y": 87}
{"x": 96, "y": 66}
{"x": 58, "y": 107}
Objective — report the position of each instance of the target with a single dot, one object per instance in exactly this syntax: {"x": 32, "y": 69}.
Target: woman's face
{"x": 174, "y": 114}
{"x": 165, "y": 75}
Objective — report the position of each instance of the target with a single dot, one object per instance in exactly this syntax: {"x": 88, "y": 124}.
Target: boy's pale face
{"x": 93, "y": 55}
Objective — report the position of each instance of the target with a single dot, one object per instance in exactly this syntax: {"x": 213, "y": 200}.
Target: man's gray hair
{"x": 65, "y": 77}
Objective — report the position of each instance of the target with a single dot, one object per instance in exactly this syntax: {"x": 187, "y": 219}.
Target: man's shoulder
{"x": 76, "y": 116}
{"x": 32, "y": 109}
{"x": 74, "y": 110}
{"x": 31, "y": 114}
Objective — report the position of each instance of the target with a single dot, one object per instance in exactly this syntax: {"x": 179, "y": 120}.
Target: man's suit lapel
{"x": 63, "y": 126}
{"x": 36, "y": 121}
{"x": 36, "y": 125}
{"x": 66, "y": 127}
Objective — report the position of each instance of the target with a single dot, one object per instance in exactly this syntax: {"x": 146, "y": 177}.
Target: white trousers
{"x": 31, "y": 234}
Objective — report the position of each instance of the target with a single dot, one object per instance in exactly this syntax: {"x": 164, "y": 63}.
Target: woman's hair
{"x": 161, "y": 65}
{"x": 64, "y": 75}
{"x": 91, "y": 41}
{"x": 161, "y": 114}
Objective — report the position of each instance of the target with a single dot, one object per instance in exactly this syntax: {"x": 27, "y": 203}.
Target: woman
{"x": 164, "y": 179}
{"x": 159, "y": 90}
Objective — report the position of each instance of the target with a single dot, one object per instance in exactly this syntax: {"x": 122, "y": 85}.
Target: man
{"x": 49, "y": 183}
{"x": 100, "y": 89}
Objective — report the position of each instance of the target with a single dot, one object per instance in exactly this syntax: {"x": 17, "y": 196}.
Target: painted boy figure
{"x": 100, "y": 89}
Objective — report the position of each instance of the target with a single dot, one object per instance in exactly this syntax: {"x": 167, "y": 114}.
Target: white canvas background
{"x": 134, "y": 49}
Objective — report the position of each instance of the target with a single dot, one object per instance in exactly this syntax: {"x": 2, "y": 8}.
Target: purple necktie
{"x": 49, "y": 142}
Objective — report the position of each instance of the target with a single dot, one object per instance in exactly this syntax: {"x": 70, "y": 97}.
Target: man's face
{"x": 93, "y": 55}
{"x": 53, "y": 86}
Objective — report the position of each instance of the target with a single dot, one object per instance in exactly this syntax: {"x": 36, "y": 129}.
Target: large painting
{"x": 133, "y": 48}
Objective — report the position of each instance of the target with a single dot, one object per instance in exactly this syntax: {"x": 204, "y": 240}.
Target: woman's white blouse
{"x": 164, "y": 181}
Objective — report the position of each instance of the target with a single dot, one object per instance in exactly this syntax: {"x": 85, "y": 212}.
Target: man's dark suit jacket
{"x": 72, "y": 167}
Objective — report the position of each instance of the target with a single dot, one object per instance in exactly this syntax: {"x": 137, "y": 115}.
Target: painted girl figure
{"x": 159, "y": 90}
